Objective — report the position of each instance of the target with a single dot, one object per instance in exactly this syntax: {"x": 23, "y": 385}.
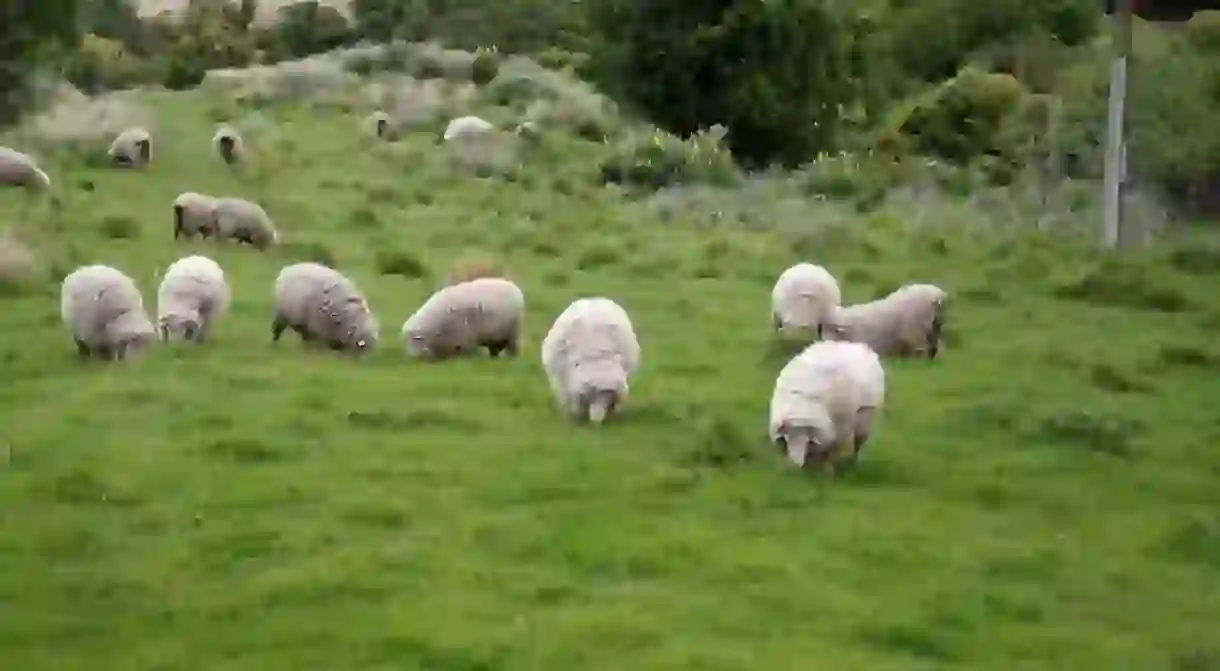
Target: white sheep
{"x": 104, "y": 310}
{"x": 825, "y": 402}
{"x": 194, "y": 213}
{"x": 589, "y": 354}
{"x": 461, "y": 318}
{"x": 133, "y": 147}
{"x": 323, "y": 306}
{"x": 379, "y": 124}
{"x": 192, "y": 295}
{"x": 243, "y": 221}
{"x": 466, "y": 126}
{"x": 908, "y": 322}
{"x": 21, "y": 170}
{"x": 802, "y": 300}
{"x": 228, "y": 143}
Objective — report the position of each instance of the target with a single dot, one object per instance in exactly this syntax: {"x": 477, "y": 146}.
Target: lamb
{"x": 244, "y": 221}
{"x": 323, "y": 306}
{"x": 21, "y": 170}
{"x": 466, "y": 126}
{"x": 825, "y": 402}
{"x": 908, "y": 322}
{"x": 104, "y": 310}
{"x": 589, "y": 354}
{"x": 802, "y": 300}
{"x": 228, "y": 142}
{"x": 194, "y": 213}
{"x": 192, "y": 295}
{"x": 133, "y": 147}
{"x": 464, "y": 317}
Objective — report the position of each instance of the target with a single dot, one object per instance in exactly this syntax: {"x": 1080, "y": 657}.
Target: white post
{"x": 1115, "y": 143}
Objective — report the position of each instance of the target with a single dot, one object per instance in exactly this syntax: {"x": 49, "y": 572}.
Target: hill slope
{"x": 1044, "y": 495}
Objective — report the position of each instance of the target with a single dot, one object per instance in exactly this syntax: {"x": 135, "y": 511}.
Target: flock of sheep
{"x": 823, "y": 406}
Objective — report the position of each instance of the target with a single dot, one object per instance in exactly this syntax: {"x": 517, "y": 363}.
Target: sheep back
{"x": 192, "y": 294}
{"x": 194, "y": 213}
{"x": 244, "y": 221}
{"x": 803, "y": 298}
{"x": 825, "y": 401}
{"x": 21, "y": 170}
{"x": 323, "y": 305}
{"x": 590, "y": 349}
{"x": 104, "y": 311}
{"x": 463, "y": 317}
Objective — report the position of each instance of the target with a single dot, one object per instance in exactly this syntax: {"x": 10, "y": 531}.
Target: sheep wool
{"x": 228, "y": 143}
{"x": 464, "y": 317}
{"x": 802, "y": 300}
{"x": 21, "y": 170}
{"x": 589, "y": 354}
{"x": 466, "y": 126}
{"x": 323, "y": 306}
{"x": 194, "y": 213}
{"x": 908, "y": 322}
{"x": 243, "y": 221}
{"x": 133, "y": 147}
{"x": 825, "y": 402}
{"x": 192, "y": 295}
{"x": 104, "y": 311}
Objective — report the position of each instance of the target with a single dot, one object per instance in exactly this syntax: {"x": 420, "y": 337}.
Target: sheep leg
{"x": 278, "y": 324}
{"x": 82, "y": 348}
{"x": 507, "y": 346}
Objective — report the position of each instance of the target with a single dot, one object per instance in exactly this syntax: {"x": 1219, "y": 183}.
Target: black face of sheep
{"x": 227, "y": 144}
{"x": 178, "y": 214}
{"x": 121, "y": 159}
{"x": 145, "y": 147}
{"x": 381, "y": 128}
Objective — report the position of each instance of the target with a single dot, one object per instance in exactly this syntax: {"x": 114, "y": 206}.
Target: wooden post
{"x": 1115, "y": 176}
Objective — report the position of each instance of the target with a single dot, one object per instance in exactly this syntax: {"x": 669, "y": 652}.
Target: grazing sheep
{"x": 825, "y": 402}
{"x": 461, "y": 318}
{"x": 323, "y": 306}
{"x": 133, "y": 147}
{"x": 802, "y": 300}
{"x": 194, "y": 213}
{"x": 379, "y": 124}
{"x": 243, "y": 221}
{"x": 589, "y": 354}
{"x": 466, "y": 126}
{"x": 21, "y": 170}
{"x": 229, "y": 144}
{"x": 192, "y": 295}
{"x": 104, "y": 310}
{"x": 908, "y": 322}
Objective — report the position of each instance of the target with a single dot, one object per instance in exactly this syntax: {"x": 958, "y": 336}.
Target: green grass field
{"x": 1044, "y": 495}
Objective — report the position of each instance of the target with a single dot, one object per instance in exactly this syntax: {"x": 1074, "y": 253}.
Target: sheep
{"x": 21, "y": 170}
{"x": 379, "y": 124}
{"x": 908, "y": 322}
{"x": 323, "y": 306}
{"x": 466, "y": 126}
{"x": 104, "y": 310}
{"x": 228, "y": 143}
{"x": 589, "y": 354}
{"x": 244, "y": 221}
{"x": 464, "y": 317}
{"x": 194, "y": 213}
{"x": 802, "y": 300}
{"x": 825, "y": 403}
{"x": 133, "y": 147}
{"x": 192, "y": 295}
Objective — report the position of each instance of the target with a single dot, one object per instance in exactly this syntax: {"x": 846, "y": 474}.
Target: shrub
{"x": 774, "y": 72}
{"x": 400, "y": 262}
{"x": 485, "y": 66}
{"x": 659, "y": 159}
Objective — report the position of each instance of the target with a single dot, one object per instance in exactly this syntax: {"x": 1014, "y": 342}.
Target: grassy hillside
{"x": 1045, "y": 495}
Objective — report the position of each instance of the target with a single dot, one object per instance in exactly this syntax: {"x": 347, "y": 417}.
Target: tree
{"x": 26, "y": 28}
